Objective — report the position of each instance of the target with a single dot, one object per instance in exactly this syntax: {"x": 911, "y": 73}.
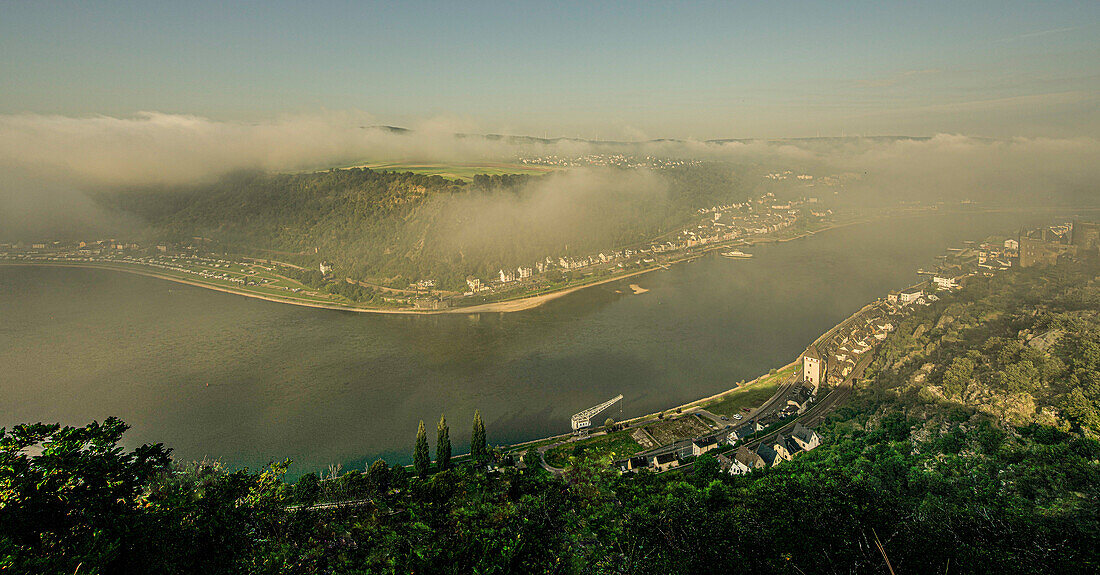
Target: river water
{"x": 248, "y": 381}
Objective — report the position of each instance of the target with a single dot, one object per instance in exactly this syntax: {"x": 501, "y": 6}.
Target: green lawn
{"x": 456, "y": 171}
{"x": 750, "y": 395}
{"x": 617, "y": 445}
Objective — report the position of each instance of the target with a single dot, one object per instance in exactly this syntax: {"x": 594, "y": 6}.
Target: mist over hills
{"x": 53, "y": 166}
{"x": 525, "y": 139}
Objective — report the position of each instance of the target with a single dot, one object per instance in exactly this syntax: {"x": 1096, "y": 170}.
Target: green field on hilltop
{"x": 465, "y": 172}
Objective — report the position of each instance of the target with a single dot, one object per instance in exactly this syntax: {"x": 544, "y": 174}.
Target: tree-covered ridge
{"x": 946, "y": 472}
{"x": 396, "y": 228}
{"x": 1022, "y": 347}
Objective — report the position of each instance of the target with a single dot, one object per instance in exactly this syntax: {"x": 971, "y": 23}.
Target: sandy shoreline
{"x": 535, "y": 301}
{"x": 494, "y": 307}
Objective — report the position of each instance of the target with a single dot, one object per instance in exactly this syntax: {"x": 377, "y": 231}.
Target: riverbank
{"x": 711, "y": 324}
{"x": 710, "y": 399}
{"x": 505, "y": 306}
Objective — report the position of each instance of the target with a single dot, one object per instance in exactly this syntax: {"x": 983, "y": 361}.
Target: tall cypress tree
{"x": 420, "y": 454}
{"x": 477, "y": 438}
{"x": 443, "y": 445}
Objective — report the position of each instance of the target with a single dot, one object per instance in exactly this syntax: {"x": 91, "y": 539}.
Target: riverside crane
{"x": 583, "y": 420}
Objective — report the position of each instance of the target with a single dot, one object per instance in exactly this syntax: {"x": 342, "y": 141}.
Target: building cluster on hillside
{"x": 787, "y": 174}
{"x": 810, "y": 181}
{"x": 612, "y": 160}
{"x": 916, "y": 295}
{"x": 198, "y": 266}
{"x": 1030, "y": 247}
{"x": 835, "y": 359}
{"x": 159, "y": 257}
{"x": 721, "y": 223}
{"x": 770, "y": 452}
{"x": 850, "y": 344}
{"x": 1045, "y": 246}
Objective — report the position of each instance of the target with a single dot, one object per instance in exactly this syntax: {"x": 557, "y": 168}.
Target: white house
{"x": 910, "y": 295}
{"x": 804, "y": 437}
{"x": 944, "y": 283}
{"x": 745, "y": 460}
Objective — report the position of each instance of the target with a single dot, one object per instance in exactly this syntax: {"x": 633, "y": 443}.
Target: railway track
{"x": 817, "y": 414}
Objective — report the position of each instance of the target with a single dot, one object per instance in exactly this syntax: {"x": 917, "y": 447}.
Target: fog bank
{"x": 48, "y": 163}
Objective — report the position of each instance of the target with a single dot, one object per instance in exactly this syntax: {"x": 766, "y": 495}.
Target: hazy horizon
{"x": 1005, "y": 96}
{"x": 596, "y": 71}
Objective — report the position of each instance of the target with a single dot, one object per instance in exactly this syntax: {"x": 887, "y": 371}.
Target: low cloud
{"x": 564, "y": 213}
{"x": 47, "y": 163}
{"x": 155, "y": 148}
{"x": 945, "y": 167}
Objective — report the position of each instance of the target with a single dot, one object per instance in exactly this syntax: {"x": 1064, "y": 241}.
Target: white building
{"x": 943, "y": 283}
{"x": 1011, "y": 244}
{"x": 910, "y": 295}
{"x": 804, "y": 437}
{"x": 737, "y": 467}
{"x": 524, "y": 272}
{"x": 813, "y": 367}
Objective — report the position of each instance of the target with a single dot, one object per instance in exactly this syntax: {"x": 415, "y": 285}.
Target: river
{"x": 248, "y": 381}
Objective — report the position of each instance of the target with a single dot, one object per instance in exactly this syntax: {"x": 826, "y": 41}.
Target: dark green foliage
{"x": 706, "y": 469}
{"x": 78, "y": 500}
{"x": 531, "y": 458}
{"x": 477, "y": 439}
{"x": 307, "y": 489}
{"x": 378, "y": 477}
{"x": 443, "y": 445}
{"x": 399, "y": 476}
{"x": 945, "y": 483}
{"x": 1027, "y": 506}
{"x": 421, "y": 461}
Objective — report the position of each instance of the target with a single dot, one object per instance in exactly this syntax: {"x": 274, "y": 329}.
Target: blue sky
{"x": 613, "y": 70}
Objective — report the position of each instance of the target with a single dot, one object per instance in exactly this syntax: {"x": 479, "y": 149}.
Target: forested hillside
{"x": 395, "y": 228}
{"x": 971, "y": 449}
{"x": 1021, "y": 348}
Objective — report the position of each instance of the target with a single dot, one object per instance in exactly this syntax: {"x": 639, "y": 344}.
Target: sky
{"x": 590, "y": 69}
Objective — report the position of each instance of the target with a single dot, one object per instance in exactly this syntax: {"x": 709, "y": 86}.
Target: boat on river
{"x": 735, "y": 254}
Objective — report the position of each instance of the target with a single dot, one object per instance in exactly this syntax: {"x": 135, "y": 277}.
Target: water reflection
{"x": 250, "y": 381}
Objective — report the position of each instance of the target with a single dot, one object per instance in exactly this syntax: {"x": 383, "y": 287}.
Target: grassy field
{"x": 750, "y": 395}
{"x": 456, "y": 171}
{"x": 617, "y": 445}
{"x": 270, "y": 289}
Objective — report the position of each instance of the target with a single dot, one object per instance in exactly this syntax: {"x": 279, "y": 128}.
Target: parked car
{"x": 737, "y": 416}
